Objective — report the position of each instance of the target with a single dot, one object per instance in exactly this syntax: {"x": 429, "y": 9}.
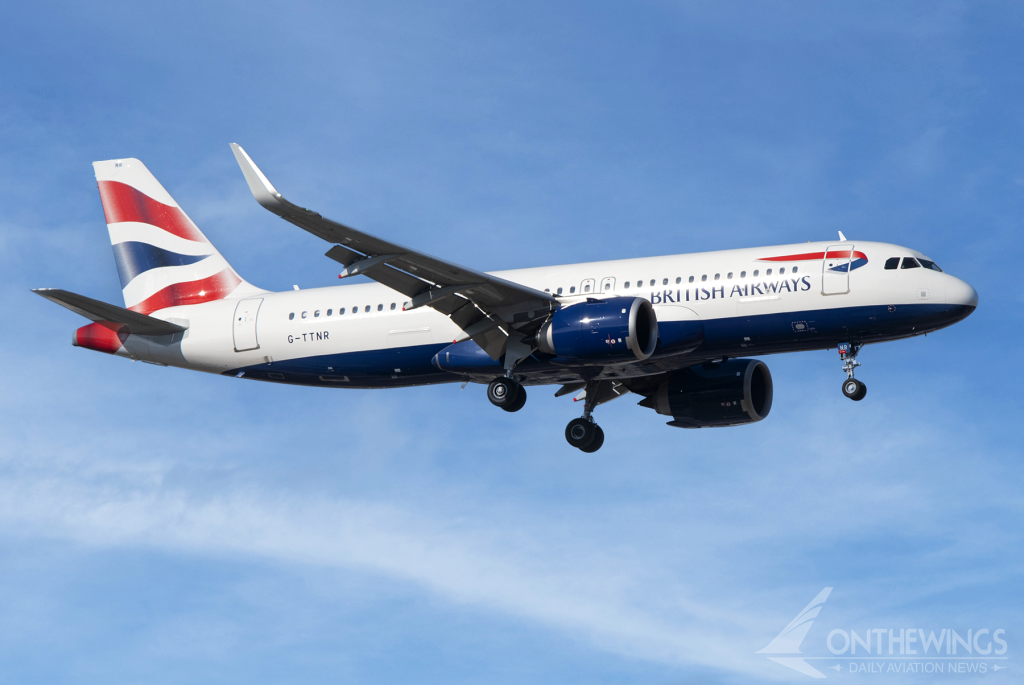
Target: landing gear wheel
{"x": 854, "y": 389}
{"x": 503, "y": 392}
{"x": 598, "y": 440}
{"x": 518, "y": 403}
{"x": 581, "y": 433}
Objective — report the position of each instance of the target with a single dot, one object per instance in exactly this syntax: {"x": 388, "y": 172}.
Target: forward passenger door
{"x": 835, "y": 270}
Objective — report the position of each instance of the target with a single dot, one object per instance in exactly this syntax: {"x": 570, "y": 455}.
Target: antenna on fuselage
{"x": 842, "y": 237}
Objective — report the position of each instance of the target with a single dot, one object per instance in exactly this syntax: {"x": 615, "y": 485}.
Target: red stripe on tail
{"x": 216, "y": 287}
{"x": 121, "y": 202}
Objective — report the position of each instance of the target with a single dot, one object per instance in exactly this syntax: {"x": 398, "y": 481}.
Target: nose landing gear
{"x": 852, "y": 387}
{"x": 583, "y": 433}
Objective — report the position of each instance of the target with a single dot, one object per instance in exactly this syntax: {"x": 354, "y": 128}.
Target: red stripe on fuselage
{"x": 216, "y": 287}
{"x": 807, "y": 256}
{"x": 121, "y": 203}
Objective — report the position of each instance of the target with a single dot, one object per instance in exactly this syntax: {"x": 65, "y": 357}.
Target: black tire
{"x": 519, "y": 402}
{"x": 598, "y": 440}
{"x": 854, "y": 389}
{"x": 503, "y": 392}
{"x": 580, "y": 433}
{"x": 860, "y": 393}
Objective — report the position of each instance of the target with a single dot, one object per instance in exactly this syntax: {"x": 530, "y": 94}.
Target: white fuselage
{"x": 710, "y": 286}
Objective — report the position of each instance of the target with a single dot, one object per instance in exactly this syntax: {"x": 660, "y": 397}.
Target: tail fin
{"x": 162, "y": 257}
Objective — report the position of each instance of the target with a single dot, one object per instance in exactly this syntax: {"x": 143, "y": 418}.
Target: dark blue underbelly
{"x": 731, "y": 337}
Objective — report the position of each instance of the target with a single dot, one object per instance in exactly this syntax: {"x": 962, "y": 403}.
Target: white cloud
{"x": 460, "y": 561}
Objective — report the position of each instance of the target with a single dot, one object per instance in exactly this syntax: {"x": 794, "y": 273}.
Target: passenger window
{"x": 329, "y": 312}
{"x": 756, "y": 272}
{"x": 664, "y": 281}
{"x": 743, "y": 274}
{"x": 782, "y": 270}
{"x": 572, "y": 290}
{"x": 691, "y": 280}
{"x": 910, "y": 263}
{"x": 652, "y": 282}
{"x": 928, "y": 264}
{"x": 291, "y": 317}
{"x": 679, "y": 279}
{"x": 729, "y": 275}
{"x": 794, "y": 269}
{"x": 393, "y": 305}
{"x": 703, "y": 278}
{"x": 559, "y": 291}
{"x": 768, "y": 272}
{"x": 892, "y": 263}
{"x": 717, "y": 276}
{"x": 341, "y": 311}
{"x": 626, "y": 285}
{"x": 367, "y": 308}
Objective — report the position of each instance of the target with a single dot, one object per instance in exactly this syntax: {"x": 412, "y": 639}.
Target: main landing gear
{"x": 507, "y": 393}
{"x": 583, "y": 433}
{"x": 852, "y": 387}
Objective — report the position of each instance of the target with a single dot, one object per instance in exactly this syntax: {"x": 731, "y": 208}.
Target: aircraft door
{"x": 835, "y": 269}
{"x": 607, "y": 284}
{"x": 245, "y": 325}
{"x": 587, "y": 286}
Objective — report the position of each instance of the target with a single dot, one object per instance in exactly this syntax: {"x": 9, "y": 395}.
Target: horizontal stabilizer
{"x": 113, "y": 317}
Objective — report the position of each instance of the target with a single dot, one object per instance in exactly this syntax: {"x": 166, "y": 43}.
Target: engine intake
{"x": 613, "y": 329}
{"x": 732, "y": 393}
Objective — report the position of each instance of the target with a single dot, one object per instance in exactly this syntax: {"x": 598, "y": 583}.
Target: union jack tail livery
{"x": 162, "y": 257}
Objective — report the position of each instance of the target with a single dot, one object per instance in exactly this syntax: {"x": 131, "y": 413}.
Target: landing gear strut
{"x": 852, "y": 387}
{"x": 506, "y": 393}
{"x": 583, "y": 433}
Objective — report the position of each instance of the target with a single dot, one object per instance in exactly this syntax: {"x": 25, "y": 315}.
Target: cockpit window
{"x": 892, "y": 263}
{"x": 910, "y": 263}
{"x": 928, "y": 264}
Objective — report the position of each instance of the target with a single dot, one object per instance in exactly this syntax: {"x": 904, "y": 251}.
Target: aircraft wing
{"x": 113, "y": 317}
{"x": 488, "y": 309}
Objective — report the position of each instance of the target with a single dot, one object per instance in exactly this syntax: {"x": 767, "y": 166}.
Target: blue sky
{"x": 161, "y": 526}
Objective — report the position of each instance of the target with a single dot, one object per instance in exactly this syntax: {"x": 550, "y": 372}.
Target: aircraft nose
{"x": 960, "y": 293}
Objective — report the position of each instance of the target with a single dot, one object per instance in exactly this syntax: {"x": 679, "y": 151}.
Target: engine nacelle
{"x": 735, "y": 392}
{"x": 614, "y": 329}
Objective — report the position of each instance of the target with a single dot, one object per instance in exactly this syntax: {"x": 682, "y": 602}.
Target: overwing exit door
{"x": 245, "y": 325}
{"x": 835, "y": 269}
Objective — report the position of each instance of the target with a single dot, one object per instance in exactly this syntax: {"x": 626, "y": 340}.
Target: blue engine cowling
{"x": 615, "y": 329}
{"x": 732, "y": 393}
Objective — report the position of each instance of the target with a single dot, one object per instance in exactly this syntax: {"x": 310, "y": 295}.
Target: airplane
{"x": 677, "y": 331}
